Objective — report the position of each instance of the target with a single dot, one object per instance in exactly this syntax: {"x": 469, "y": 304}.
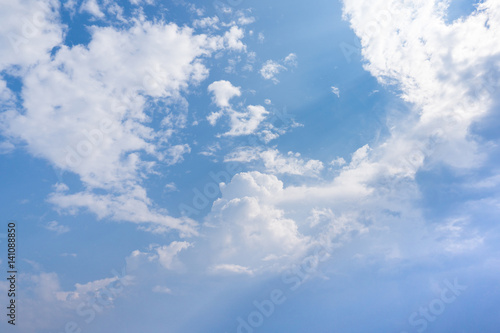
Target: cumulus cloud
{"x": 91, "y": 102}
{"x": 233, "y": 38}
{"x": 247, "y": 229}
{"x": 223, "y": 91}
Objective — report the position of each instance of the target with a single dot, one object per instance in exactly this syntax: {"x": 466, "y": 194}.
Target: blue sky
{"x": 251, "y": 166}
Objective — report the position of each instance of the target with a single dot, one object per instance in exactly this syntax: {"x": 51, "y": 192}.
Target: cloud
{"x": 162, "y": 290}
{"x": 132, "y": 206}
{"x": 233, "y": 37}
{"x": 377, "y": 192}
{"x": 166, "y": 256}
{"x": 171, "y": 187}
{"x": 49, "y": 307}
{"x": 277, "y": 163}
{"x": 339, "y": 161}
{"x": 176, "y": 153}
{"x": 272, "y": 68}
{"x": 28, "y": 32}
{"x": 291, "y": 60}
{"x": 431, "y": 63}
{"x": 247, "y": 122}
{"x": 243, "y": 19}
{"x": 206, "y": 22}
{"x": 336, "y": 91}
{"x": 456, "y": 238}
{"x": 246, "y": 228}
{"x": 92, "y": 7}
{"x": 167, "y": 253}
{"x": 56, "y": 227}
{"x": 241, "y": 122}
{"x": 85, "y": 290}
{"x": 223, "y": 91}
{"x": 229, "y": 268}
{"x": 91, "y": 101}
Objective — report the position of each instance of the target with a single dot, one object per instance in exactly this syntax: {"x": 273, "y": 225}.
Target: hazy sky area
{"x": 251, "y": 166}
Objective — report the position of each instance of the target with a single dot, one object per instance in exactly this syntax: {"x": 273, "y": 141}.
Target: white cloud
{"x": 164, "y": 255}
{"x": 85, "y": 290}
{"x": 28, "y": 32}
{"x": 336, "y": 91}
{"x": 168, "y": 253}
{"x": 176, "y": 153}
{"x": 132, "y": 206}
{"x": 449, "y": 88}
{"x": 270, "y": 69}
{"x": 49, "y": 307}
{"x": 223, "y": 91}
{"x": 339, "y": 161}
{"x": 261, "y": 37}
{"x": 211, "y": 150}
{"x": 431, "y": 62}
{"x": 247, "y": 122}
{"x": 291, "y": 60}
{"x": 456, "y": 238}
{"x": 233, "y": 38}
{"x": 277, "y": 163}
{"x": 230, "y": 268}
{"x": 241, "y": 122}
{"x": 91, "y": 102}
{"x": 162, "y": 290}
{"x": 206, "y": 22}
{"x": 245, "y": 20}
{"x": 171, "y": 187}
{"x": 246, "y": 228}
{"x": 92, "y": 7}
{"x": 56, "y": 227}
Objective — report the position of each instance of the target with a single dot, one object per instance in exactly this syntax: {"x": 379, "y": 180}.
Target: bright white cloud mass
{"x": 203, "y": 179}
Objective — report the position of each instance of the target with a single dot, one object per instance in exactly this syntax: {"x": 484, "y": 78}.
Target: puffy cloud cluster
{"x": 241, "y": 122}
{"x": 85, "y": 108}
{"x": 248, "y": 232}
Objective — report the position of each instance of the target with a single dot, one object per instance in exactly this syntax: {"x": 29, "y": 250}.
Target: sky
{"x": 251, "y": 166}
